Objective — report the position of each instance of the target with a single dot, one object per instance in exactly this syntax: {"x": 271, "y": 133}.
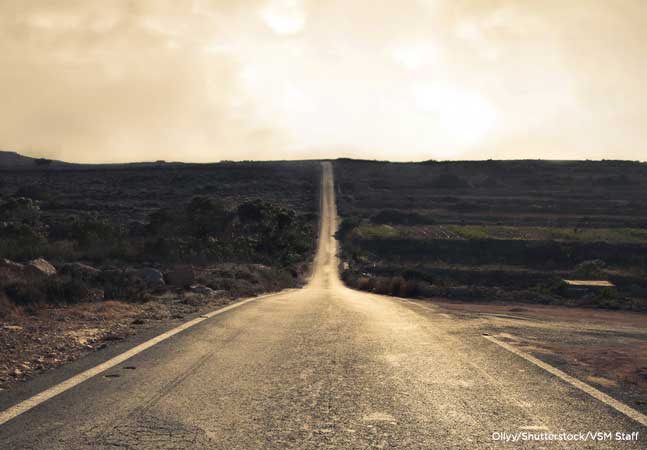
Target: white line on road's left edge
{"x": 47, "y": 394}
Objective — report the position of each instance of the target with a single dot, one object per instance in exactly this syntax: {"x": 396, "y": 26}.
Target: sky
{"x": 209, "y": 80}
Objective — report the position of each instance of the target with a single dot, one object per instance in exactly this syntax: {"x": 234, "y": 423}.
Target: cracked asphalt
{"x": 323, "y": 367}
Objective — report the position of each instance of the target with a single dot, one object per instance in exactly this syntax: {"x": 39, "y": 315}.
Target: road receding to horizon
{"x": 322, "y": 367}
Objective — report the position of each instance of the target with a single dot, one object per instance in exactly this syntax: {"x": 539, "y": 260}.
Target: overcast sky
{"x": 205, "y": 80}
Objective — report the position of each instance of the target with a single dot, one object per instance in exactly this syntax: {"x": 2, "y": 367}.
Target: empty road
{"x": 319, "y": 367}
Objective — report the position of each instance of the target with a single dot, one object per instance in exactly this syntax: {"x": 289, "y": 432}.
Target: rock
{"x": 202, "y": 290}
{"x": 114, "y": 276}
{"x": 79, "y": 270}
{"x": 182, "y": 277}
{"x": 11, "y": 266}
{"x": 150, "y": 275}
{"x": 40, "y": 267}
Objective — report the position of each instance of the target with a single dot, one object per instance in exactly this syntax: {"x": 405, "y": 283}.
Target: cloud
{"x": 284, "y": 17}
{"x": 91, "y": 80}
{"x": 129, "y": 82}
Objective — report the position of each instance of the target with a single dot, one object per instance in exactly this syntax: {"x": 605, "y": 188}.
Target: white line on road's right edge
{"x": 593, "y": 392}
{"x": 53, "y": 391}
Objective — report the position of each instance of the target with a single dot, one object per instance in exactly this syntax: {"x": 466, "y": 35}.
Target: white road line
{"x": 53, "y": 391}
{"x": 604, "y": 398}
{"x": 435, "y": 310}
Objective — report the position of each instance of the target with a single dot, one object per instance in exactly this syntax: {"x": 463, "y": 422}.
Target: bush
{"x": 21, "y": 241}
{"x": 206, "y": 217}
{"x": 7, "y": 307}
{"x": 364, "y": 284}
{"x": 53, "y": 290}
{"x": 24, "y": 293}
{"x": 20, "y": 209}
{"x": 593, "y": 269}
{"x": 65, "y": 290}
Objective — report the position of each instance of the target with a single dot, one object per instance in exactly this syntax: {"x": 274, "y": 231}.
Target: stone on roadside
{"x": 150, "y": 276}
{"x": 10, "y": 266}
{"x": 79, "y": 270}
{"x": 40, "y": 267}
{"x": 203, "y": 290}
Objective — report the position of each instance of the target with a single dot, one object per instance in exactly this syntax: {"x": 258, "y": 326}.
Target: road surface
{"x": 320, "y": 367}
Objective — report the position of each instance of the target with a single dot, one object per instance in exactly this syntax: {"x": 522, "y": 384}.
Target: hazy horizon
{"x": 208, "y": 80}
{"x": 279, "y": 159}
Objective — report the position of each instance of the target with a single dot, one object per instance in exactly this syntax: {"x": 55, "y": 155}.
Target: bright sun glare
{"x": 466, "y": 116}
{"x": 284, "y": 17}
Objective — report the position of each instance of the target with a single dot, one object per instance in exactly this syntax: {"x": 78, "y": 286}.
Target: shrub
{"x": 24, "y": 293}
{"x": 206, "y": 217}
{"x": 21, "y": 241}
{"x": 64, "y": 290}
{"x": 364, "y": 284}
{"x": 347, "y": 225}
{"x": 7, "y": 307}
{"x": 593, "y": 269}
{"x": 20, "y": 209}
{"x": 382, "y": 286}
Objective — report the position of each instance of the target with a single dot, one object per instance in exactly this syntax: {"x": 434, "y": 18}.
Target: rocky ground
{"x": 31, "y": 344}
{"x": 46, "y": 332}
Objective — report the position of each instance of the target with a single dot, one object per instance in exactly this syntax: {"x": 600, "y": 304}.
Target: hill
{"x": 13, "y": 160}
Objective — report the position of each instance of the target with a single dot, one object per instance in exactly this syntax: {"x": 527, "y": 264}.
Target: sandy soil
{"x": 30, "y": 344}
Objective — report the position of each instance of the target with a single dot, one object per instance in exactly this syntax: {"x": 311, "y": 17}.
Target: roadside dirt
{"x": 31, "y": 344}
{"x": 606, "y": 349}
{"x": 573, "y": 315}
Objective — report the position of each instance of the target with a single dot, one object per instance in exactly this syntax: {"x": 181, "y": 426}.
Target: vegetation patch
{"x": 496, "y": 230}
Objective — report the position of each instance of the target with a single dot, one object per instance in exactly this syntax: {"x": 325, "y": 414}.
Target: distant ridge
{"x": 14, "y": 160}
{"x": 10, "y": 160}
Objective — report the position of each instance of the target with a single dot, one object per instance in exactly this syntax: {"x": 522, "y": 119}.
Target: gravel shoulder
{"x": 33, "y": 344}
{"x": 606, "y": 349}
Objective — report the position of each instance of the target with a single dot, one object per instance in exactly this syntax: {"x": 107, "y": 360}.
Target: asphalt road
{"x": 320, "y": 367}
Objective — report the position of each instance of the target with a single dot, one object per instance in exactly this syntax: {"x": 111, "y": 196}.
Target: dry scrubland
{"x": 490, "y": 243}
{"x": 496, "y": 230}
{"x": 90, "y": 254}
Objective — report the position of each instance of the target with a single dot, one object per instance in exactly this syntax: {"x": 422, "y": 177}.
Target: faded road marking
{"x": 593, "y": 392}
{"x": 379, "y": 417}
{"x": 53, "y": 391}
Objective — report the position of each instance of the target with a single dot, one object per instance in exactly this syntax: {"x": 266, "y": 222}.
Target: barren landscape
{"x": 492, "y": 243}
{"x": 92, "y": 254}
{"x": 303, "y": 224}
{"x": 325, "y": 366}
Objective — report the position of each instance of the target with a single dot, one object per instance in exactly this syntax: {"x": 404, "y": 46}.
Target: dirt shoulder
{"x": 606, "y": 349}
{"x": 33, "y": 344}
